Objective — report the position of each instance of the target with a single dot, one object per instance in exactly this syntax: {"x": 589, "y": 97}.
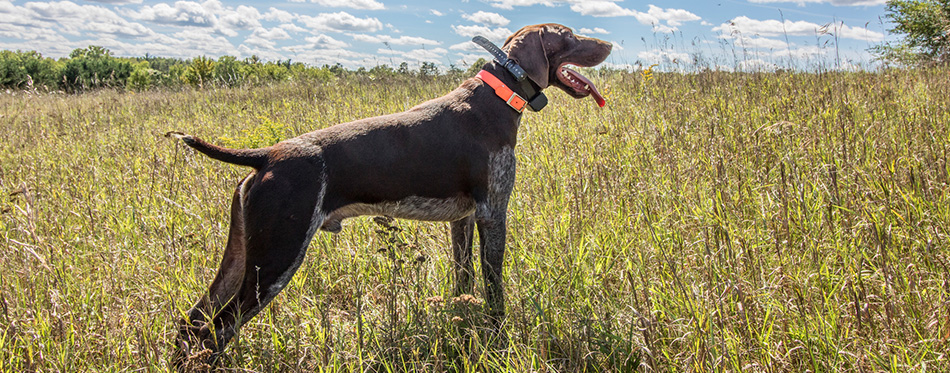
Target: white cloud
{"x": 245, "y": 50}
{"x": 292, "y": 28}
{"x": 242, "y": 18}
{"x": 487, "y": 18}
{"x": 340, "y": 21}
{"x": 282, "y": 16}
{"x": 260, "y": 42}
{"x": 859, "y": 33}
{"x": 434, "y": 55}
{"x": 593, "y": 31}
{"x": 618, "y": 66}
{"x": 46, "y": 40}
{"x": 402, "y": 40}
{"x": 832, "y": 2}
{"x": 662, "y": 20}
{"x": 467, "y": 46}
{"x": 325, "y": 42}
{"x": 510, "y": 4}
{"x": 342, "y": 56}
{"x": 467, "y": 59}
{"x": 275, "y": 33}
{"x": 498, "y": 34}
{"x": 70, "y": 18}
{"x": 184, "y": 44}
{"x": 116, "y": 2}
{"x": 355, "y": 4}
{"x": 673, "y": 17}
{"x": 184, "y": 13}
{"x": 436, "y": 13}
{"x": 662, "y": 57}
{"x": 601, "y": 8}
{"x": 761, "y": 43}
{"x": 803, "y": 52}
{"x": 746, "y": 26}
{"x": 209, "y": 14}
{"x": 757, "y": 64}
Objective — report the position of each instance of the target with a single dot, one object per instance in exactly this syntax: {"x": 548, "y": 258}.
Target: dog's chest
{"x": 414, "y": 208}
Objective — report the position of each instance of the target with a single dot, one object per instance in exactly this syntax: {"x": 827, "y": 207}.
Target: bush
{"x": 94, "y": 67}
{"x": 229, "y": 71}
{"x": 27, "y": 70}
{"x": 143, "y": 76}
{"x": 199, "y": 73}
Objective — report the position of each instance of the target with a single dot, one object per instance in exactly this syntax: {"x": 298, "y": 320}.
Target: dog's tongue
{"x": 590, "y": 86}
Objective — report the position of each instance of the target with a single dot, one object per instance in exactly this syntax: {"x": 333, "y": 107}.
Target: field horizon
{"x": 709, "y": 221}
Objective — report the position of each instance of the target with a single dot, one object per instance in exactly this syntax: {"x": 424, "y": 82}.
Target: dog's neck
{"x": 527, "y": 89}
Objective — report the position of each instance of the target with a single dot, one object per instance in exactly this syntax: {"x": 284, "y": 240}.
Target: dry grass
{"x": 705, "y": 222}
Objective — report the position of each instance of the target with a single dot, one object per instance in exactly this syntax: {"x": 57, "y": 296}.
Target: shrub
{"x": 199, "y": 73}
{"x": 94, "y": 67}
{"x": 27, "y": 70}
{"x": 143, "y": 76}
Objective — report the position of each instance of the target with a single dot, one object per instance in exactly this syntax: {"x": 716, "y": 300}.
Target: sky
{"x": 364, "y": 33}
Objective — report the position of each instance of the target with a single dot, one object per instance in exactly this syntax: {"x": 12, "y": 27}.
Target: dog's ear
{"x": 529, "y": 51}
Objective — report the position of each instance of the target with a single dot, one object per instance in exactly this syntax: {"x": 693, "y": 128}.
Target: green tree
{"x": 27, "y": 70}
{"x": 925, "y": 29}
{"x": 229, "y": 71}
{"x": 143, "y": 76}
{"x": 94, "y": 67}
{"x": 200, "y": 72}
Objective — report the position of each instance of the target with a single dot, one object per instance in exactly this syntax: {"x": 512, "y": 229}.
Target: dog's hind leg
{"x": 282, "y": 211}
{"x": 462, "y": 232}
{"x": 227, "y": 282}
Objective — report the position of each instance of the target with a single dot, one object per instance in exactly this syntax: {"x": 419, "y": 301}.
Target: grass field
{"x": 700, "y": 222}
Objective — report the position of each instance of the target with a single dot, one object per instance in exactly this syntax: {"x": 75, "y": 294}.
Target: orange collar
{"x": 513, "y": 99}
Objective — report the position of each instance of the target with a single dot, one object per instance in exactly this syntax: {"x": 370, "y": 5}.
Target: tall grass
{"x": 711, "y": 221}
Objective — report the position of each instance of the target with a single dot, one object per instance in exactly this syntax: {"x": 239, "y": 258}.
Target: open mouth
{"x": 579, "y": 84}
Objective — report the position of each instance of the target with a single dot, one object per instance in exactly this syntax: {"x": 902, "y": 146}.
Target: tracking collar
{"x": 535, "y": 98}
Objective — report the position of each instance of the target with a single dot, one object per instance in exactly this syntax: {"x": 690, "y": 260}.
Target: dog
{"x": 448, "y": 159}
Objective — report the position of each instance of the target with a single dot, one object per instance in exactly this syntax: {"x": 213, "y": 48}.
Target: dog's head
{"x": 545, "y": 50}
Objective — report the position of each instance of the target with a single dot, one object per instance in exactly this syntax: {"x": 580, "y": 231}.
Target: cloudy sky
{"x": 372, "y": 32}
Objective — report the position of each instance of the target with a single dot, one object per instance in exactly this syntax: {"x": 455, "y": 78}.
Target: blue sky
{"x": 725, "y": 33}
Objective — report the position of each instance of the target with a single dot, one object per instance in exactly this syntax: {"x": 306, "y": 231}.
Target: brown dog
{"x": 449, "y": 159}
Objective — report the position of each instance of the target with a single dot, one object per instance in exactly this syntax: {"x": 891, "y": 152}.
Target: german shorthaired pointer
{"x": 448, "y": 159}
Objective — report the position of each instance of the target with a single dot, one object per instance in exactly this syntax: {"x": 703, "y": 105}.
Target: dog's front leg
{"x": 491, "y": 233}
{"x": 490, "y": 218}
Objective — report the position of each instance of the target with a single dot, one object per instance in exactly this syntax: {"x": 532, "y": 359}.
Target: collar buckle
{"x": 516, "y": 102}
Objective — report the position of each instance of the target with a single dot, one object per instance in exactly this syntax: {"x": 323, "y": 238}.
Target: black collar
{"x": 530, "y": 90}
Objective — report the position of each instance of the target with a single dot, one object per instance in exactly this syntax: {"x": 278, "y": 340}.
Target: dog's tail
{"x": 245, "y": 157}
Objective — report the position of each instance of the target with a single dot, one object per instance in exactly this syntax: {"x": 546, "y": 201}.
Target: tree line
{"x": 922, "y": 27}
{"x": 95, "y": 67}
